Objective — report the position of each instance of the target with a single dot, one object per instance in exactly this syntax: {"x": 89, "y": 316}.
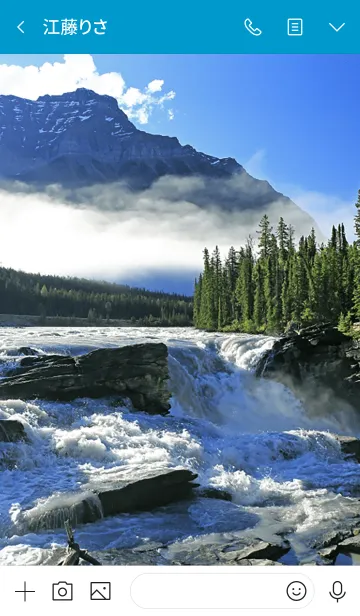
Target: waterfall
{"x": 249, "y": 436}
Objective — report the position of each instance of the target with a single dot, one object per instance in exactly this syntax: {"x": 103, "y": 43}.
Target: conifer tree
{"x": 356, "y": 296}
{"x": 244, "y": 290}
{"x": 265, "y": 232}
{"x": 357, "y": 219}
{"x": 208, "y": 318}
{"x": 197, "y": 301}
{"x": 267, "y": 287}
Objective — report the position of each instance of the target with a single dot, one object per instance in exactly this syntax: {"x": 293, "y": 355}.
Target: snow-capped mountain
{"x": 81, "y": 138}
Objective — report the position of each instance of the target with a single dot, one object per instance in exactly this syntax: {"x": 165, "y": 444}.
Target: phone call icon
{"x": 248, "y": 25}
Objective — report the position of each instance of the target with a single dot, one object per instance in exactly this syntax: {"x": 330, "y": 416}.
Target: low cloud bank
{"x": 112, "y": 233}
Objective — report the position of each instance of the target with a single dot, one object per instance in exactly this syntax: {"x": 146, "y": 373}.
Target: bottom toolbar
{"x": 187, "y": 590}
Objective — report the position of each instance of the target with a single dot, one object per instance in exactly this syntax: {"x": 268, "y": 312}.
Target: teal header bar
{"x": 189, "y": 26}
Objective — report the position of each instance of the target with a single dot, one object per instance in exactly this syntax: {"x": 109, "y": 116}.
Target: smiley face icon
{"x": 296, "y": 591}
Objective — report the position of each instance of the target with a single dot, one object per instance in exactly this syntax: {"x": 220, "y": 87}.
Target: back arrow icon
{"x": 19, "y": 27}
{"x": 337, "y": 29}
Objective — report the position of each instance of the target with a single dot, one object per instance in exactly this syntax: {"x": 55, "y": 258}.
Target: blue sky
{"x": 291, "y": 119}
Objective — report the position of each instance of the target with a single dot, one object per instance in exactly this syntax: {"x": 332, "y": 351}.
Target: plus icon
{"x": 25, "y": 591}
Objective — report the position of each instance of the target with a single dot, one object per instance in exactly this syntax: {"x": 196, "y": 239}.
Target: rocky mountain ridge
{"x": 82, "y": 138}
{"x": 85, "y": 135}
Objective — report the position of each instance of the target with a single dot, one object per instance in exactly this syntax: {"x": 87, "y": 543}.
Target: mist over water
{"x": 249, "y": 436}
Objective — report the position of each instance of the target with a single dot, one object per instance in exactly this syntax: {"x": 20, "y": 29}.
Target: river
{"x": 248, "y": 436}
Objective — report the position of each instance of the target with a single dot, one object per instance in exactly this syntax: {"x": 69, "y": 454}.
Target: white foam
{"x": 249, "y": 436}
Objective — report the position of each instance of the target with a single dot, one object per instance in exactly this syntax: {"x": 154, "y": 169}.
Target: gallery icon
{"x": 295, "y": 26}
{"x": 100, "y": 591}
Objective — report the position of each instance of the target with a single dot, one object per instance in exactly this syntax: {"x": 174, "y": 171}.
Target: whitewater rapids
{"x": 249, "y": 436}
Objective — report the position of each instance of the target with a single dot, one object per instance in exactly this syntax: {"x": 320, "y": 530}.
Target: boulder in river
{"x": 138, "y": 372}
{"x": 215, "y": 493}
{"x": 351, "y": 545}
{"x": 12, "y": 431}
{"x": 350, "y": 445}
{"x": 143, "y": 495}
{"x": 28, "y": 351}
{"x": 147, "y": 494}
{"x": 329, "y": 554}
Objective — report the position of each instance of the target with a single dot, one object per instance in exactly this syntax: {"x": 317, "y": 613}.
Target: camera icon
{"x": 62, "y": 591}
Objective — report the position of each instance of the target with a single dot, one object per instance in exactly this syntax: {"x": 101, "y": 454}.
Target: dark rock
{"x": 332, "y": 538}
{"x": 215, "y": 494}
{"x": 316, "y": 359}
{"x": 147, "y": 494}
{"x": 138, "y": 372}
{"x": 33, "y": 361}
{"x": 143, "y": 495}
{"x": 329, "y": 553}
{"x": 350, "y": 445}
{"x": 261, "y": 550}
{"x": 12, "y": 431}
{"x": 351, "y": 545}
{"x": 28, "y": 351}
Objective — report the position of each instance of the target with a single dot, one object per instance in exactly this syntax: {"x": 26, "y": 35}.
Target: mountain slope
{"x": 82, "y": 138}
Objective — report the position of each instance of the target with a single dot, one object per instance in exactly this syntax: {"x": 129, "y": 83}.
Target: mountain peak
{"x": 81, "y": 138}
{"x": 80, "y": 95}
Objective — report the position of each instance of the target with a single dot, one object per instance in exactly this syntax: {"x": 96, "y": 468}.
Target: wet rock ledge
{"x": 316, "y": 361}
{"x": 12, "y": 431}
{"x": 138, "y": 372}
{"x": 143, "y": 495}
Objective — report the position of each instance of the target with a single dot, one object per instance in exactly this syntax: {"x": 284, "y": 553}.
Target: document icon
{"x": 295, "y": 26}
{"x": 100, "y": 591}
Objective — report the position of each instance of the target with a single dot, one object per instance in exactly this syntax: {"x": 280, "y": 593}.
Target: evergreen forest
{"x": 275, "y": 283}
{"x": 55, "y": 296}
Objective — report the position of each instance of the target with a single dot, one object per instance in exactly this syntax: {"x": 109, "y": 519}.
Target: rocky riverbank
{"x": 318, "y": 363}
{"x": 136, "y": 372}
{"x": 228, "y": 550}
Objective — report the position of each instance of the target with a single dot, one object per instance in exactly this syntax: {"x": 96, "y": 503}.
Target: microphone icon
{"x": 337, "y": 591}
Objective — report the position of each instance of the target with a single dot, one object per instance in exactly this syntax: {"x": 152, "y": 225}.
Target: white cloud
{"x": 79, "y": 71}
{"x": 115, "y": 234}
{"x": 155, "y": 85}
{"x": 171, "y": 114}
{"x": 133, "y": 97}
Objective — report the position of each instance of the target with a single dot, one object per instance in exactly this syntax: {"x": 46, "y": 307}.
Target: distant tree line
{"x": 34, "y": 294}
{"x": 280, "y": 283}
